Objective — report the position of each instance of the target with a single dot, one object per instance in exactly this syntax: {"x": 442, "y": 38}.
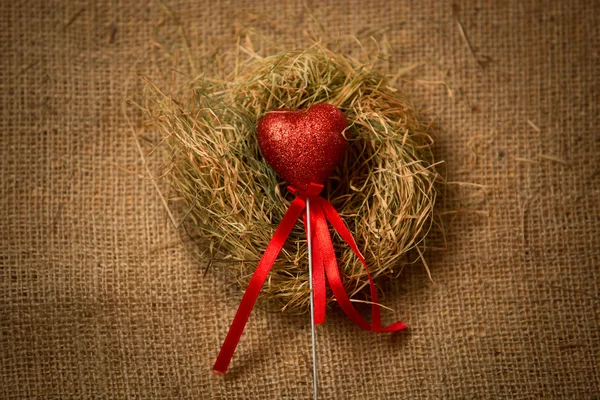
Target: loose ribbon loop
{"x": 324, "y": 265}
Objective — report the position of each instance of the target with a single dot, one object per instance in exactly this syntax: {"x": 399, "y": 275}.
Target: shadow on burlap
{"x": 101, "y": 300}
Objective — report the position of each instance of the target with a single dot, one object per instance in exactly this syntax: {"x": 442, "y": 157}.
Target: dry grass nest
{"x": 384, "y": 189}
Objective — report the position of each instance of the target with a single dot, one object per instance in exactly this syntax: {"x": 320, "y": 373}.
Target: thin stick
{"x": 312, "y": 301}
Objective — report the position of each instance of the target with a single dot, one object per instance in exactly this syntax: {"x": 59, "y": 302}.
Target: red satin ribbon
{"x": 324, "y": 265}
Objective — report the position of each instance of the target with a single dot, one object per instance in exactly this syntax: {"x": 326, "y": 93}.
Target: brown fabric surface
{"x": 100, "y": 300}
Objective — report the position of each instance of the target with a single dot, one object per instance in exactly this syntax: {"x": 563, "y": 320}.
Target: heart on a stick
{"x": 303, "y": 146}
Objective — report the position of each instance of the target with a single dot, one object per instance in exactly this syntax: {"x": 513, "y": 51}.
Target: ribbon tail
{"x": 324, "y": 246}
{"x": 258, "y": 278}
{"x": 338, "y": 224}
{"x": 319, "y": 287}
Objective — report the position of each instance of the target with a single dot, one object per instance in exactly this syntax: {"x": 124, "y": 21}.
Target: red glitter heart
{"x": 303, "y": 146}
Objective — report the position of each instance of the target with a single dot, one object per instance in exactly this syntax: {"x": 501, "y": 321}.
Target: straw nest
{"x": 384, "y": 188}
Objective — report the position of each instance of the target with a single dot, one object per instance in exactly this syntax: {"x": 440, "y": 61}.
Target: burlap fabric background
{"x": 99, "y": 299}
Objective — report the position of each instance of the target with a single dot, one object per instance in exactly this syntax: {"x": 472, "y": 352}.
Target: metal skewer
{"x": 312, "y": 301}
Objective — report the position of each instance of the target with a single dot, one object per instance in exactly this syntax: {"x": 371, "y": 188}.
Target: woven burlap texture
{"x": 100, "y": 300}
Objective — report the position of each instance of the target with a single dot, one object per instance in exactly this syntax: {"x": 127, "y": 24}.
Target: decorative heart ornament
{"x": 303, "y": 146}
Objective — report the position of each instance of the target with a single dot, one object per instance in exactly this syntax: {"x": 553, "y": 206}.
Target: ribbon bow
{"x": 324, "y": 264}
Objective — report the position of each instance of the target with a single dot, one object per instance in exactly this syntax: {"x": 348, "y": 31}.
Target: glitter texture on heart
{"x": 303, "y": 146}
